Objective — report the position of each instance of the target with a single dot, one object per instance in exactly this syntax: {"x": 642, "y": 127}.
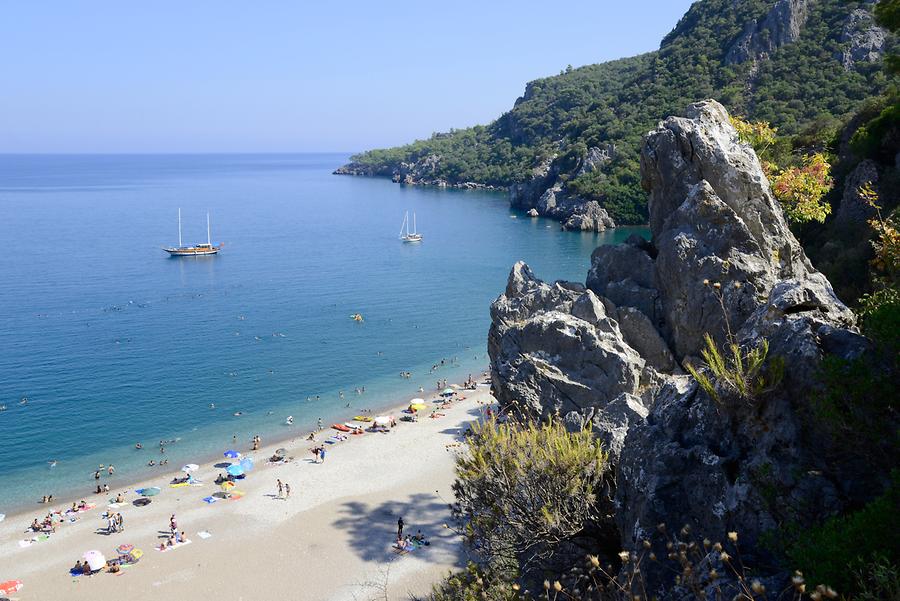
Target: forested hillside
{"x": 802, "y": 65}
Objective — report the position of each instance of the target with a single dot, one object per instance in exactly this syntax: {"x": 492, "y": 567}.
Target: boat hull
{"x": 184, "y": 252}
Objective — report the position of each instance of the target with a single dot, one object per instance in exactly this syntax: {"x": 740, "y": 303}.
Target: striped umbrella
{"x": 124, "y": 549}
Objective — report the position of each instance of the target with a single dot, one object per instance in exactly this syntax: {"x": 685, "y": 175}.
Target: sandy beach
{"x": 332, "y": 539}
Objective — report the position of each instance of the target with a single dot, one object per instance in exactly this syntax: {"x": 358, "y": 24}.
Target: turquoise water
{"x": 113, "y": 342}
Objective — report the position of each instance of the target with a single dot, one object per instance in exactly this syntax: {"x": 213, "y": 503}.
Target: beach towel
{"x": 116, "y": 505}
{"x": 179, "y": 485}
{"x": 204, "y": 534}
{"x": 210, "y": 500}
{"x": 235, "y": 495}
{"x": 175, "y": 546}
{"x": 27, "y": 542}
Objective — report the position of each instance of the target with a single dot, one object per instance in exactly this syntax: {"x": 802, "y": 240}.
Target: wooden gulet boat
{"x": 197, "y": 250}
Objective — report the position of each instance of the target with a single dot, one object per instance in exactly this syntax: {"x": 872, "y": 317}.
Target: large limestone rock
{"x": 589, "y": 217}
{"x": 554, "y": 350}
{"x": 607, "y": 355}
{"x": 714, "y": 221}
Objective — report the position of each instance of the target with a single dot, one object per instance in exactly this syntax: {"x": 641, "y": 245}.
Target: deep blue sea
{"x": 113, "y": 342}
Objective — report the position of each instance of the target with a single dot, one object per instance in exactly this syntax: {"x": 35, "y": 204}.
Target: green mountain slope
{"x": 800, "y": 64}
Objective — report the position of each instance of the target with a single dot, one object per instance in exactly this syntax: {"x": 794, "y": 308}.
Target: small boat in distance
{"x": 198, "y": 250}
{"x": 404, "y": 227}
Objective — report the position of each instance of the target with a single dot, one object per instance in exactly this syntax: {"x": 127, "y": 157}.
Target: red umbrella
{"x": 10, "y": 586}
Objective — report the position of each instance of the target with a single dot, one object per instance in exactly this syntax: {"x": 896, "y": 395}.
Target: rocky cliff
{"x": 608, "y": 354}
{"x": 569, "y": 147}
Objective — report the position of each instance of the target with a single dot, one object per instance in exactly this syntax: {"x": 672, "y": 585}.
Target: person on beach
{"x": 400, "y": 528}
{"x": 173, "y": 524}
{"x": 280, "y": 489}
{"x": 287, "y": 491}
{"x": 322, "y": 454}
{"x": 120, "y": 522}
{"x": 320, "y": 424}
{"x": 111, "y": 469}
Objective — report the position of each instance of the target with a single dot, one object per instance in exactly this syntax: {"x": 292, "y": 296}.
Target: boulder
{"x": 589, "y": 217}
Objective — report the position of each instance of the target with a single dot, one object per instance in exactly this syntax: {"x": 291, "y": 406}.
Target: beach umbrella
{"x": 134, "y": 556}
{"x": 227, "y": 485}
{"x": 190, "y": 467}
{"x": 124, "y": 549}
{"x": 416, "y": 401}
{"x": 448, "y": 391}
{"x": 141, "y": 502}
{"x": 247, "y": 464}
{"x": 232, "y": 454}
{"x": 235, "y": 469}
{"x": 95, "y": 560}
{"x": 10, "y": 586}
{"x": 149, "y": 492}
{"x": 383, "y": 420}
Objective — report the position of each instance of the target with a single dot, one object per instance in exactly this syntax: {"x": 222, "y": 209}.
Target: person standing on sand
{"x": 173, "y": 525}
{"x": 400, "y": 528}
{"x": 280, "y": 489}
{"x": 322, "y": 454}
{"x": 287, "y": 491}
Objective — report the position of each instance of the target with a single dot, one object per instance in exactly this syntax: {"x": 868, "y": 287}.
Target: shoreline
{"x": 129, "y": 483}
{"x": 335, "y": 532}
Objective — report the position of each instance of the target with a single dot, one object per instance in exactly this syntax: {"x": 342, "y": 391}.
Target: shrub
{"x": 740, "y": 374}
{"x": 523, "y": 490}
{"x": 801, "y": 190}
{"x": 844, "y": 546}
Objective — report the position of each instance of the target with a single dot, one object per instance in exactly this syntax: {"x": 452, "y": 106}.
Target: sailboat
{"x": 198, "y": 250}
{"x": 405, "y": 234}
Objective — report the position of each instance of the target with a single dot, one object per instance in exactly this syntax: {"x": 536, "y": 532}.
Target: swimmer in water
{"x": 212, "y": 405}
{"x": 52, "y": 462}
{"x": 238, "y": 413}
{"x": 138, "y": 445}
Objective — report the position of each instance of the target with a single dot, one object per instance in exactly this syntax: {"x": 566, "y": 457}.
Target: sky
{"x": 107, "y": 76}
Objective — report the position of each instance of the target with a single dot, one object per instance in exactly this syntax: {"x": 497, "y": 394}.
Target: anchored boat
{"x": 198, "y": 250}
{"x": 405, "y": 234}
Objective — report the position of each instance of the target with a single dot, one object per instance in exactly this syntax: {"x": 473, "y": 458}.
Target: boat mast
{"x": 414, "y": 222}
{"x": 179, "y": 228}
{"x": 207, "y": 229}
{"x": 404, "y": 224}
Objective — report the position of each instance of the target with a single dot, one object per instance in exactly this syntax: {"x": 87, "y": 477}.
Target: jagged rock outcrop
{"x": 863, "y": 39}
{"x": 547, "y": 194}
{"x": 554, "y": 349}
{"x": 589, "y": 217}
{"x": 781, "y": 25}
{"x": 854, "y": 211}
{"x": 723, "y": 262}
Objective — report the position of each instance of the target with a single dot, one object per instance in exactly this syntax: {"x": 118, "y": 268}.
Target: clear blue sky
{"x": 228, "y": 76}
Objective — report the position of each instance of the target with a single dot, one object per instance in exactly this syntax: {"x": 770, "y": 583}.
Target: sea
{"x": 106, "y": 341}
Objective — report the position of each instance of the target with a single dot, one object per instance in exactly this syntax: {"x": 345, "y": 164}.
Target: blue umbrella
{"x": 247, "y": 464}
{"x": 234, "y": 469}
{"x": 232, "y": 454}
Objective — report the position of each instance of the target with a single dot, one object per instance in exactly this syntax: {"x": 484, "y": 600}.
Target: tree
{"x": 524, "y": 490}
{"x": 801, "y": 190}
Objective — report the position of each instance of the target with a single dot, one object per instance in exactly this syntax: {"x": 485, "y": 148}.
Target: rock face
{"x": 781, "y": 25}
{"x": 854, "y": 211}
{"x": 864, "y": 40}
{"x": 723, "y": 262}
{"x": 547, "y": 195}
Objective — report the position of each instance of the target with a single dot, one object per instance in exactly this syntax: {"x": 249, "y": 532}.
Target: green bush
{"x": 835, "y": 552}
{"x": 524, "y": 490}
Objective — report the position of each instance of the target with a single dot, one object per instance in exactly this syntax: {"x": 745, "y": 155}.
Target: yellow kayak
{"x": 362, "y": 418}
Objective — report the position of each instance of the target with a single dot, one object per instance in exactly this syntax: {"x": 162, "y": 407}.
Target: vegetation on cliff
{"x": 802, "y": 88}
